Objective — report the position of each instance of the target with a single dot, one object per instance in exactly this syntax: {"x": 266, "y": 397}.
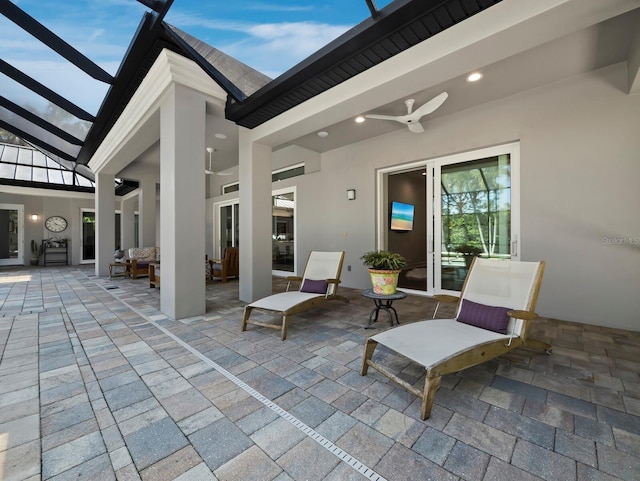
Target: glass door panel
{"x": 226, "y": 226}
{"x": 408, "y": 195}
{"x": 11, "y": 234}
{"x": 117, "y": 229}
{"x": 88, "y": 248}
{"x": 283, "y": 209}
{"x": 475, "y": 213}
{"x": 228, "y": 216}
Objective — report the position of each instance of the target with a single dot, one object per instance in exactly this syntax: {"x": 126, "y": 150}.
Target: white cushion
{"x": 146, "y": 254}
{"x": 431, "y": 342}
{"x": 283, "y": 300}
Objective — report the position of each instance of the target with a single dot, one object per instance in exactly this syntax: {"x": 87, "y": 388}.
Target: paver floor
{"x": 96, "y": 383}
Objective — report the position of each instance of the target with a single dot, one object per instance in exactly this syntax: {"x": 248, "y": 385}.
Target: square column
{"x": 255, "y": 218}
{"x": 105, "y": 201}
{"x": 127, "y": 223}
{"x": 148, "y": 212}
{"x": 182, "y": 203}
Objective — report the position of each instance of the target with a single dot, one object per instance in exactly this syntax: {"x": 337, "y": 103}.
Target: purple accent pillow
{"x": 315, "y": 287}
{"x": 487, "y": 317}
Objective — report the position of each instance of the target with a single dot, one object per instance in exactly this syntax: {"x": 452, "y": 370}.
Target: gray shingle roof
{"x": 247, "y": 79}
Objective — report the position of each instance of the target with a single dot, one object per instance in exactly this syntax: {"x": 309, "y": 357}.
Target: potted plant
{"x": 36, "y": 252}
{"x": 469, "y": 252}
{"x": 384, "y": 269}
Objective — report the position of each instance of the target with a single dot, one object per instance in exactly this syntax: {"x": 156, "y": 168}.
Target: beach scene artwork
{"x": 401, "y": 216}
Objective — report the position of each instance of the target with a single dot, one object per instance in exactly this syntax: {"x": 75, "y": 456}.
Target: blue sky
{"x": 268, "y": 35}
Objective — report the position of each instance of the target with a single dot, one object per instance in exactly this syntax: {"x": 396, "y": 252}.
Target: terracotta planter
{"x": 384, "y": 282}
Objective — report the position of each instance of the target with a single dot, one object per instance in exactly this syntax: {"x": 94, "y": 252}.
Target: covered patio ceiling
{"x": 70, "y": 134}
{"x": 524, "y": 46}
{"x": 518, "y": 46}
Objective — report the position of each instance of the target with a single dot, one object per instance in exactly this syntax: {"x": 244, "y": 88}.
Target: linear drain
{"x": 321, "y": 440}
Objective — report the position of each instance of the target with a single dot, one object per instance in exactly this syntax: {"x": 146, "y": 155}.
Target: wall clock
{"x": 55, "y": 223}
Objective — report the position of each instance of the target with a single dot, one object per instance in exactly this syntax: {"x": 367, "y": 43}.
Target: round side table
{"x": 383, "y": 302}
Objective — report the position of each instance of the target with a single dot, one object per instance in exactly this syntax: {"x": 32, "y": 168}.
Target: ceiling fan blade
{"x": 383, "y": 117}
{"x": 416, "y": 127}
{"x": 223, "y": 173}
{"x": 210, "y": 172}
{"x": 430, "y": 106}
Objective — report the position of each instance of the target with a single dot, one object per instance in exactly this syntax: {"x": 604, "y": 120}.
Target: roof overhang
{"x": 138, "y": 126}
{"x": 503, "y": 31}
{"x": 396, "y": 28}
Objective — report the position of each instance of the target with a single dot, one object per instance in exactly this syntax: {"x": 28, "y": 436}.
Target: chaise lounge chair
{"x": 493, "y": 314}
{"x": 319, "y": 283}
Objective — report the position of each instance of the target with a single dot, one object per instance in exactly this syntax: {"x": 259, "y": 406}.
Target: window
{"x": 287, "y": 173}
{"x": 235, "y": 187}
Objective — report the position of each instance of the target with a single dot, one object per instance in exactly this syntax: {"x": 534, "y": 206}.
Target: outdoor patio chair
{"x": 319, "y": 283}
{"x": 493, "y": 314}
{"x": 139, "y": 259}
{"x": 228, "y": 266}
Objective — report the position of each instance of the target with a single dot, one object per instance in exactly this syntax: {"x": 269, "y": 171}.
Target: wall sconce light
{"x": 351, "y": 194}
{"x": 34, "y": 217}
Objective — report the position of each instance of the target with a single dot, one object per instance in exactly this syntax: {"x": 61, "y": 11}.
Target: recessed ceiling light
{"x": 474, "y": 77}
{"x": 359, "y": 119}
{"x": 220, "y": 136}
{"x": 322, "y": 133}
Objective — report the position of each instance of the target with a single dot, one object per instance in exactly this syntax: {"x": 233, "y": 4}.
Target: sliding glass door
{"x": 228, "y": 226}
{"x": 12, "y": 234}
{"x": 474, "y": 216}
{"x": 88, "y": 237}
{"x": 283, "y": 231}
{"x": 227, "y": 229}
{"x": 467, "y": 205}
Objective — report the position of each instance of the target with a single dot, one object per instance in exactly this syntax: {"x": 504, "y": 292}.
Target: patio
{"x": 95, "y": 382}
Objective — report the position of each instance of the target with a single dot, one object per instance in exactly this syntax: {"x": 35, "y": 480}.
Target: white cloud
{"x": 274, "y": 7}
{"x": 97, "y": 33}
{"x": 274, "y": 48}
{"x": 271, "y": 48}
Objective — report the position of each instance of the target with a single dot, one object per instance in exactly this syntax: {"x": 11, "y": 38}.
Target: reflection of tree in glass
{"x": 57, "y": 117}
{"x": 9, "y": 138}
{"x": 64, "y": 120}
{"x": 476, "y": 205}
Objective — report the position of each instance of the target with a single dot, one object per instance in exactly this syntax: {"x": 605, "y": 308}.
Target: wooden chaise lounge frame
{"x": 325, "y": 266}
{"x": 445, "y": 346}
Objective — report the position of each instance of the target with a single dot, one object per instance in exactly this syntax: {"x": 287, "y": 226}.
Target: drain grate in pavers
{"x": 317, "y": 437}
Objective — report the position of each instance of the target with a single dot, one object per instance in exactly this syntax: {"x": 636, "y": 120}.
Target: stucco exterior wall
{"x": 580, "y": 165}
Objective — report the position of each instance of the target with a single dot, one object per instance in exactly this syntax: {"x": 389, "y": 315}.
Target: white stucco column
{"x": 127, "y": 222}
{"x": 147, "y": 212}
{"x": 255, "y": 218}
{"x": 105, "y": 201}
{"x": 182, "y": 203}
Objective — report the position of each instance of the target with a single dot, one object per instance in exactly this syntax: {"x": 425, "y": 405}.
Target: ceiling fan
{"x": 210, "y": 169}
{"x": 412, "y": 119}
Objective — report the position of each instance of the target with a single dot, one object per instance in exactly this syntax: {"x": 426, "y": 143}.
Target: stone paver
{"x": 91, "y": 389}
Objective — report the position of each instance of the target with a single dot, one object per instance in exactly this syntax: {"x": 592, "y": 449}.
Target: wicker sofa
{"x": 139, "y": 259}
